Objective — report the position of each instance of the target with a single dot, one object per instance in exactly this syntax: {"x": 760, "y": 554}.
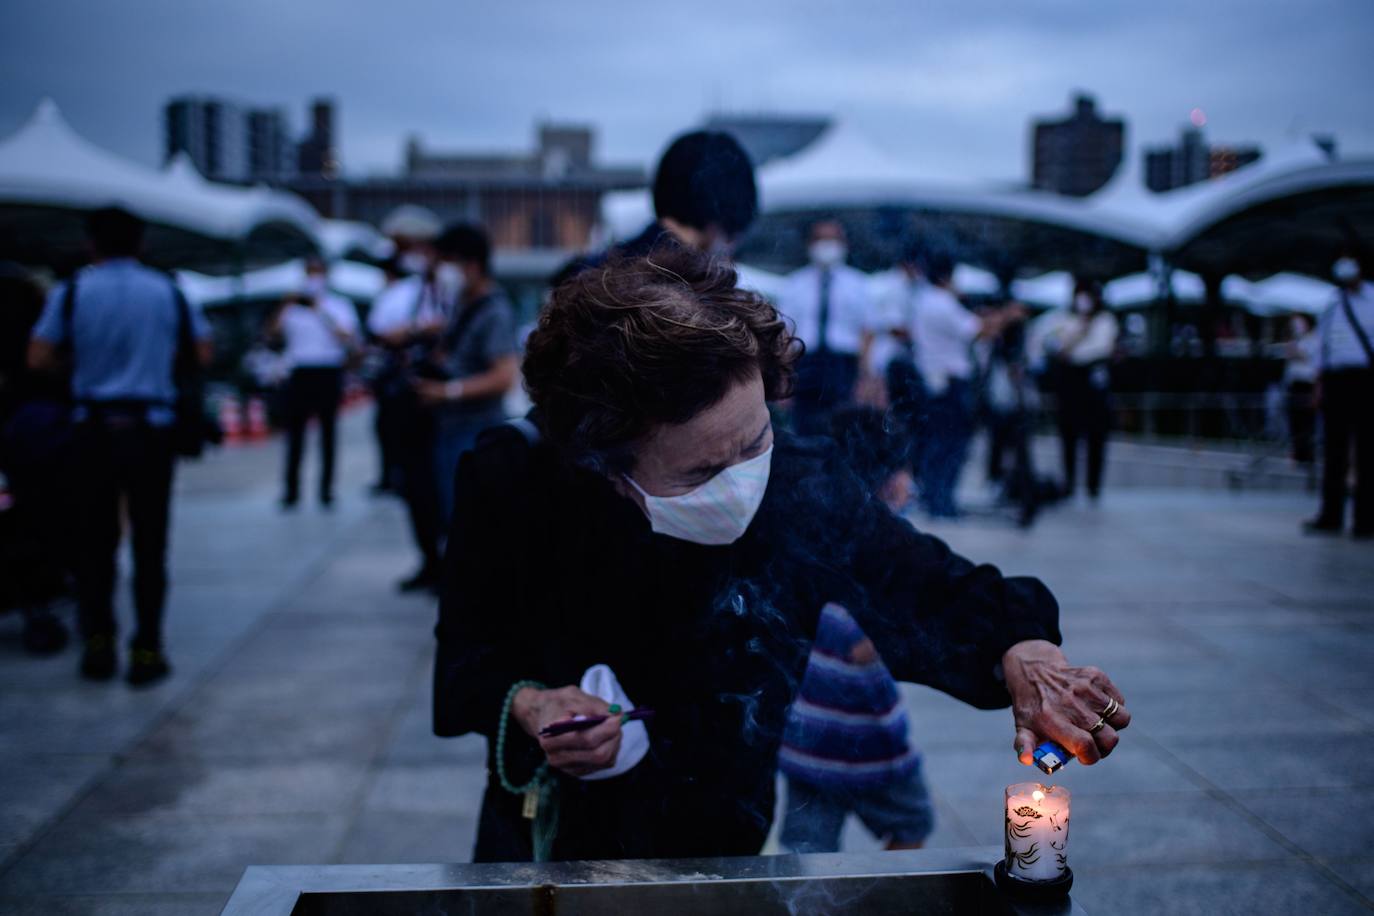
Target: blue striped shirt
{"x": 847, "y": 727}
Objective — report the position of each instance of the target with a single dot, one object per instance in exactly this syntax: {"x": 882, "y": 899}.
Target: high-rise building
{"x": 1193, "y": 160}
{"x": 212, "y": 132}
{"x": 546, "y": 199}
{"x": 1078, "y": 154}
{"x": 316, "y": 154}
{"x": 270, "y": 148}
{"x": 229, "y": 142}
{"x": 766, "y": 137}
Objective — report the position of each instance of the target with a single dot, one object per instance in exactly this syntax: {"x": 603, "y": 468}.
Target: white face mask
{"x": 1345, "y": 269}
{"x": 413, "y": 262}
{"x": 1082, "y": 303}
{"x": 827, "y": 252}
{"x": 449, "y": 278}
{"x": 315, "y": 285}
{"x": 717, "y": 512}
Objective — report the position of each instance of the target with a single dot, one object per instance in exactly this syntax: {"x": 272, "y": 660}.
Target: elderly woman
{"x": 658, "y": 526}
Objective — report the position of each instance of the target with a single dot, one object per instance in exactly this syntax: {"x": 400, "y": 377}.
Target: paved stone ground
{"x": 296, "y": 727}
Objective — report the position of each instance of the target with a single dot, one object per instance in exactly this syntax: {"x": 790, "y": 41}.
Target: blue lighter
{"x": 1050, "y": 757}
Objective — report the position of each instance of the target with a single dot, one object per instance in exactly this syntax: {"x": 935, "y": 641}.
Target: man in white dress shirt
{"x": 1345, "y": 388}
{"x": 829, "y": 303}
{"x": 943, "y": 334}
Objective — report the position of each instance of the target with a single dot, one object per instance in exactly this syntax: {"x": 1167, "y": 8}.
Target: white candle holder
{"x": 1036, "y": 842}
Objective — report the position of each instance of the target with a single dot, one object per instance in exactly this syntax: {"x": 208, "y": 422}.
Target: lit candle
{"x": 1037, "y": 836}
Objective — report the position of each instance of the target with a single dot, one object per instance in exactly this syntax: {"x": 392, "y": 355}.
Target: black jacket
{"x": 550, "y": 571}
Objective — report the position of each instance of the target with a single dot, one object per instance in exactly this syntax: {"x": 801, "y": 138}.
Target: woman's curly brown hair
{"x": 637, "y": 343}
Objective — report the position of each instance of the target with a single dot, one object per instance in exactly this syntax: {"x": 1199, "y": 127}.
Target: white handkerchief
{"x": 600, "y": 681}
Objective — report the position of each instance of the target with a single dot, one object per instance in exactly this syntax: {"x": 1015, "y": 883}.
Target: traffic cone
{"x": 257, "y": 420}
{"x": 230, "y": 419}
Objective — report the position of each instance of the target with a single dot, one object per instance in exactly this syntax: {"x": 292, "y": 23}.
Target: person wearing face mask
{"x": 829, "y": 303}
{"x": 647, "y": 534}
{"x": 320, "y": 330}
{"x": 1345, "y": 385}
{"x": 1078, "y": 345}
{"x": 405, "y": 323}
{"x": 475, "y": 355}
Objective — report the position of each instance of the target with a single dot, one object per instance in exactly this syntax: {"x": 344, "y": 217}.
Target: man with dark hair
{"x": 476, "y": 360}
{"x": 115, "y": 232}
{"x": 704, "y": 198}
{"x": 320, "y": 329}
{"x": 404, "y": 322}
{"x": 944, "y": 332}
{"x": 123, "y": 325}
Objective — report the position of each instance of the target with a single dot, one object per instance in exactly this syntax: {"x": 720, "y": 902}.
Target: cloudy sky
{"x": 949, "y": 85}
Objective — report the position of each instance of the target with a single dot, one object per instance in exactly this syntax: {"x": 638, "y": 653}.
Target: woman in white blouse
{"x": 1078, "y": 344}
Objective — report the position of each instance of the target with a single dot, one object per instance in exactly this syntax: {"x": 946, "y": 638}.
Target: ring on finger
{"x": 1097, "y": 726}
{"x": 1112, "y": 707}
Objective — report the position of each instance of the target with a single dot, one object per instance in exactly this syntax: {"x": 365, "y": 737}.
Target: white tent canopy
{"x": 1016, "y": 227}
{"x": 1143, "y": 288}
{"x": 841, "y": 162}
{"x": 975, "y": 281}
{"x": 49, "y": 175}
{"x": 843, "y": 169}
{"x": 1051, "y": 290}
{"x": 359, "y": 282}
{"x": 1280, "y": 293}
{"x": 348, "y": 239}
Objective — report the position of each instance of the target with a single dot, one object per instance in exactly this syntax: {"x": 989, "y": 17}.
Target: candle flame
{"x": 1038, "y": 795}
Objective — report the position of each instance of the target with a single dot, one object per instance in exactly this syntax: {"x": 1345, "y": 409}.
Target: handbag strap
{"x": 1359, "y": 329}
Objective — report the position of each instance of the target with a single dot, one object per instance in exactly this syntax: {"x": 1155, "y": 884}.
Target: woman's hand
{"x": 575, "y": 753}
{"x": 1051, "y": 699}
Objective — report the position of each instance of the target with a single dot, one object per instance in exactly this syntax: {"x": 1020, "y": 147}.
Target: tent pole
{"x": 1211, "y": 313}
{"x": 1163, "y": 271}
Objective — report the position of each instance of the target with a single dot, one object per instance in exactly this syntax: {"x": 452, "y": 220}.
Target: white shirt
{"x": 1062, "y": 327}
{"x": 894, "y": 307}
{"x": 1340, "y": 346}
{"x": 943, "y": 331}
{"x": 850, "y": 308}
{"x": 311, "y": 340}
{"x": 1301, "y": 363}
{"x": 404, "y": 304}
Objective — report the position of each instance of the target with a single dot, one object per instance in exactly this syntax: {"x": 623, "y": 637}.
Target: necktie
{"x": 822, "y": 344}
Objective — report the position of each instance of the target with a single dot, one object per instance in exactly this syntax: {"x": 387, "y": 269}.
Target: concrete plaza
{"x": 296, "y": 727}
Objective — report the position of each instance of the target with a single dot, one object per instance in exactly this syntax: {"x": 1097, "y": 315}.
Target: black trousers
{"x": 1348, "y": 420}
{"x": 312, "y": 391}
{"x": 907, "y": 394}
{"x": 415, "y": 437}
{"x": 1085, "y": 415}
{"x": 119, "y": 457}
{"x": 1302, "y": 421}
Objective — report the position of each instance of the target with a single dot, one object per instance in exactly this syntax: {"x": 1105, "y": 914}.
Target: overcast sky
{"x": 949, "y": 85}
